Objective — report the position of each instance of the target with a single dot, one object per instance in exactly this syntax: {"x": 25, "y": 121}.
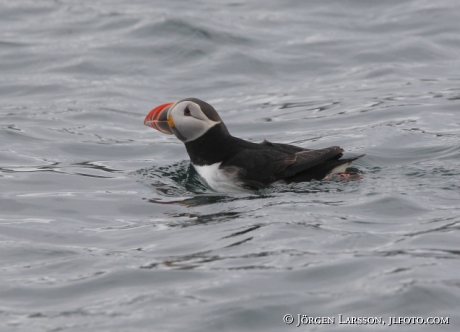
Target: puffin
{"x": 229, "y": 163}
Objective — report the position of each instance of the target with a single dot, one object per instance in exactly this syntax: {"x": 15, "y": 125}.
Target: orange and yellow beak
{"x": 158, "y": 119}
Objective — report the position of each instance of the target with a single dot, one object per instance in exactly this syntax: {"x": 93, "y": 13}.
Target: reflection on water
{"x": 179, "y": 179}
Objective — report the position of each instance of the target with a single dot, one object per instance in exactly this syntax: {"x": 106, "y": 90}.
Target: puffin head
{"x": 187, "y": 119}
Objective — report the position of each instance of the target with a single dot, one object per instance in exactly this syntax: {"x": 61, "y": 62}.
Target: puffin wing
{"x": 308, "y": 159}
{"x": 256, "y": 168}
{"x": 286, "y": 148}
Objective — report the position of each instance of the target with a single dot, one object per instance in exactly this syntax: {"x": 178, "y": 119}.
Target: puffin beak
{"x": 158, "y": 119}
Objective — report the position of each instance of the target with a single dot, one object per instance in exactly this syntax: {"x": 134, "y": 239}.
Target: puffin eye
{"x": 187, "y": 112}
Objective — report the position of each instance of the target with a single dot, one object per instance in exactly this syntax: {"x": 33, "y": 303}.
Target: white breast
{"x": 219, "y": 180}
{"x": 341, "y": 168}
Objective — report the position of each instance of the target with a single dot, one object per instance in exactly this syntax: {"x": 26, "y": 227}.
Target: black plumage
{"x": 256, "y": 166}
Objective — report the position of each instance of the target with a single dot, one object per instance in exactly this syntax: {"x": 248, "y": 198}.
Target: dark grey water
{"x": 103, "y": 226}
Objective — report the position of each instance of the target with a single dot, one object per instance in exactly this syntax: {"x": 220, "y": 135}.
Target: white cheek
{"x": 192, "y": 128}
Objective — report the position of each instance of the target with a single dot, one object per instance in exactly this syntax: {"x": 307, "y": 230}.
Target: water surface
{"x": 104, "y": 226}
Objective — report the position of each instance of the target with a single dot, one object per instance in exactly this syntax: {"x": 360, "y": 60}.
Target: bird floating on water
{"x": 228, "y": 163}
